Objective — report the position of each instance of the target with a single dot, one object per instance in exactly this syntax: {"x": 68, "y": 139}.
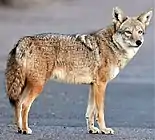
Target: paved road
{"x": 59, "y": 112}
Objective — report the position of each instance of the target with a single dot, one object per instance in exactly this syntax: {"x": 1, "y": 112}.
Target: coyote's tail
{"x": 15, "y": 74}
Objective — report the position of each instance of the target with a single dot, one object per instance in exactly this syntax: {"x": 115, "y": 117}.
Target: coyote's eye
{"x": 128, "y": 33}
{"x": 140, "y": 32}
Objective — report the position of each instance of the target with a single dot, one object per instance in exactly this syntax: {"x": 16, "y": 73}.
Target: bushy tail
{"x": 15, "y": 77}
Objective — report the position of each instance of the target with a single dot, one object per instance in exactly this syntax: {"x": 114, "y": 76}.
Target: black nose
{"x": 138, "y": 42}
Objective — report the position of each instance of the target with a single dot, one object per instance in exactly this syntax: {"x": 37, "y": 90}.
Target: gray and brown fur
{"x": 94, "y": 59}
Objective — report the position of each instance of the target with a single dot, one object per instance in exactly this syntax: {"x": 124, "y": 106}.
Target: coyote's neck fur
{"x": 122, "y": 56}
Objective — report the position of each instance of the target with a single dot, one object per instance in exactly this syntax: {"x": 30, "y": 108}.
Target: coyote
{"x": 95, "y": 59}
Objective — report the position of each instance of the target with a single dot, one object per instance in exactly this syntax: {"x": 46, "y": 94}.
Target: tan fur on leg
{"x": 18, "y": 117}
{"x": 34, "y": 92}
{"x": 99, "y": 91}
{"x": 91, "y": 112}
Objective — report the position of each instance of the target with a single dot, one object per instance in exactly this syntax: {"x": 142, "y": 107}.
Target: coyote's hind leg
{"x": 18, "y": 109}
{"x": 18, "y": 116}
{"x": 35, "y": 90}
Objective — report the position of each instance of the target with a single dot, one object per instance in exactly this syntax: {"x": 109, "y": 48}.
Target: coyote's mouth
{"x": 136, "y": 46}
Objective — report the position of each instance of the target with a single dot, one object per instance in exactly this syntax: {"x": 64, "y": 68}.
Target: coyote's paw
{"x": 94, "y": 130}
{"x": 28, "y": 131}
{"x": 20, "y": 131}
{"x": 107, "y": 131}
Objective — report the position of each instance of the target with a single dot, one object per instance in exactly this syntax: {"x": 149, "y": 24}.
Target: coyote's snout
{"x": 94, "y": 59}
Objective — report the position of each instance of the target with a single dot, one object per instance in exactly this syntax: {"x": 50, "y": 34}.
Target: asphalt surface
{"x": 59, "y": 112}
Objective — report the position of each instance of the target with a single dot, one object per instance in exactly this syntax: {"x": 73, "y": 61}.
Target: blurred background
{"x": 130, "y": 101}
{"x": 27, "y": 17}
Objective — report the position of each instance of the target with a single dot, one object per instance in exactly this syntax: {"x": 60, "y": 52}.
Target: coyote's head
{"x": 130, "y": 30}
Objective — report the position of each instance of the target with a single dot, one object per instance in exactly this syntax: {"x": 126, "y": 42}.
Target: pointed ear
{"x": 145, "y": 17}
{"x": 118, "y": 15}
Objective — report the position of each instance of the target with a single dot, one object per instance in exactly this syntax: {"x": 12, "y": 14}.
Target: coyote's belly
{"x": 82, "y": 76}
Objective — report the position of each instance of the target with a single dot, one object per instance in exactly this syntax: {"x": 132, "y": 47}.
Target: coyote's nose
{"x": 138, "y": 42}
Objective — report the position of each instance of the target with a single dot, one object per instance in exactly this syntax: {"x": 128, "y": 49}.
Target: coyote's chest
{"x": 114, "y": 71}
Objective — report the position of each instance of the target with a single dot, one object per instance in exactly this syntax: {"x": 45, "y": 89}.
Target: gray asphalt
{"x": 58, "y": 113}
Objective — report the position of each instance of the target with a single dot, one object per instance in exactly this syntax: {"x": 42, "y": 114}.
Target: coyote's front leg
{"x": 99, "y": 94}
{"x": 90, "y": 113}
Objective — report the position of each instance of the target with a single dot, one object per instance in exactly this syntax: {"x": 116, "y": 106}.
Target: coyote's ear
{"x": 118, "y": 15}
{"x": 145, "y": 17}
